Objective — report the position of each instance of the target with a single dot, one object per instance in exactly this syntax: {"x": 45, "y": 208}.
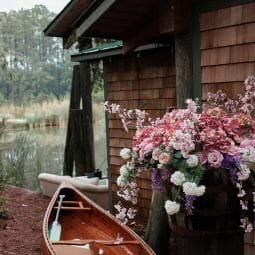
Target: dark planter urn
{"x": 213, "y": 228}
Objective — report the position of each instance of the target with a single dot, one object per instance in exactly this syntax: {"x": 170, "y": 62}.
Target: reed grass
{"x": 40, "y": 113}
{"x": 37, "y": 113}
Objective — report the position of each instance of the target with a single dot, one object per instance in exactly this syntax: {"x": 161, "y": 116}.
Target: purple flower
{"x": 230, "y": 162}
{"x": 189, "y": 200}
{"x": 156, "y": 178}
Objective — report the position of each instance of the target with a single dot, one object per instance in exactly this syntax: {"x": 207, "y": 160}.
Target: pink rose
{"x": 164, "y": 158}
{"x": 214, "y": 158}
{"x": 155, "y": 154}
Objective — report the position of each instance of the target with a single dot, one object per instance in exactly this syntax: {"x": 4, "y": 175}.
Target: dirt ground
{"x": 22, "y": 231}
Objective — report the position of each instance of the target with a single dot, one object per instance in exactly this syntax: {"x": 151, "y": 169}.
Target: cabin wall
{"x": 227, "y": 48}
{"x": 228, "y": 56}
{"x": 146, "y": 81}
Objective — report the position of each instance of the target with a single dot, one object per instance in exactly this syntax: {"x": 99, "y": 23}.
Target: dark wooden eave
{"x": 64, "y": 23}
{"x": 134, "y": 22}
{"x": 116, "y": 19}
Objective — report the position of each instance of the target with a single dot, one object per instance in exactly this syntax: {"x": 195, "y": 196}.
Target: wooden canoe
{"x": 87, "y": 229}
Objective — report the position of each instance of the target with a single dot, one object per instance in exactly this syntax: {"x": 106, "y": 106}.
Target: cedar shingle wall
{"x": 227, "y": 48}
{"x": 145, "y": 81}
{"x": 228, "y": 56}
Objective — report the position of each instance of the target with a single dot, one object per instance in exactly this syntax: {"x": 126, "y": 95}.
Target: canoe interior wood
{"x": 85, "y": 224}
{"x": 89, "y": 241}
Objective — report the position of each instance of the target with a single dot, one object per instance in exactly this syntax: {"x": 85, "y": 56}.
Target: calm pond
{"x": 25, "y": 154}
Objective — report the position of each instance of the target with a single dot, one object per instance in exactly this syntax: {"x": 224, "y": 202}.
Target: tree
{"x": 34, "y": 65}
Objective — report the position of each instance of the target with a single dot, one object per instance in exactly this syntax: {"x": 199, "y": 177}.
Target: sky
{"x": 53, "y": 5}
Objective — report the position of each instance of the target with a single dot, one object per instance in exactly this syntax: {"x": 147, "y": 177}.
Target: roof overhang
{"x": 64, "y": 24}
{"x": 134, "y": 22}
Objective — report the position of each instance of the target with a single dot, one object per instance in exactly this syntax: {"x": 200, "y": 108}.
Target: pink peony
{"x": 214, "y": 158}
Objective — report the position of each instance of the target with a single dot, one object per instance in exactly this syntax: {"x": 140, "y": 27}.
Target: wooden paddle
{"x": 55, "y": 228}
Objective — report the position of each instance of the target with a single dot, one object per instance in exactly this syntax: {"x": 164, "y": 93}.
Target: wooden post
{"x": 183, "y": 63}
{"x": 158, "y": 232}
{"x": 78, "y": 141}
{"x": 86, "y": 94}
{"x": 75, "y": 99}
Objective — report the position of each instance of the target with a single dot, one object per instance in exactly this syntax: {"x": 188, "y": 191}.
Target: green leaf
{"x": 178, "y": 155}
{"x": 176, "y": 193}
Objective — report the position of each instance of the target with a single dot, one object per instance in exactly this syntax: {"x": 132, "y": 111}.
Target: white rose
{"x": 192, "y": 161}
{"x": 124, "y": 170}
{"x": 172, "y": 207}
{"x": 191, "y": 189}
{"x": 121, "y": 181}
{"x": 125, "y": 153}
{"x": 177, "y": 178}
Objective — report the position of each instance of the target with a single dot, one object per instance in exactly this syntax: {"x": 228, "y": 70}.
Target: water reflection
{"x": 25, "y": 154}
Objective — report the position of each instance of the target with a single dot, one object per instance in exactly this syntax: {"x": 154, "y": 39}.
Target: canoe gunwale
{"x": 49, "y": 244}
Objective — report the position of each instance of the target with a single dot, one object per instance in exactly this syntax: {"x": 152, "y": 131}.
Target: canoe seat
{"x": 67, "y": 250}
{"x": 73, "y": 205}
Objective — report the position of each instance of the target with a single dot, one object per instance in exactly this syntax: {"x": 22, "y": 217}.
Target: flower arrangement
{"x": 185, "y": 144}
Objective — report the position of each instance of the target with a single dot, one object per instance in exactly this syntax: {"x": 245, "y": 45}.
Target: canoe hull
{"x": 87, "y": 229}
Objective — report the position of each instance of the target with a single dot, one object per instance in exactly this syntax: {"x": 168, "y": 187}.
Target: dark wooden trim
{"x": 94, "y": 16}
{"x": 113, "y": 52}
{"x": 196, "y": 81}
{"x": 48, "y": 30}
{"x": 69, "y": 40}
{"x": 140, "y": 35}
{"x": 183, "y": 66}
{"x": 86, "y": 94}
{"x": 109, "y": 171}
{"x": 75, "y": 99}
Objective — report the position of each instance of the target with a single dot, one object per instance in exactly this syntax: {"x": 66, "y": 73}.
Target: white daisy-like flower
{"x": 172, "y": 207}
{"x": 177, "y": 178}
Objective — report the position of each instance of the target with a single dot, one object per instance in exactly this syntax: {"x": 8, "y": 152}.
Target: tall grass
{"x": 37, "y": 113}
